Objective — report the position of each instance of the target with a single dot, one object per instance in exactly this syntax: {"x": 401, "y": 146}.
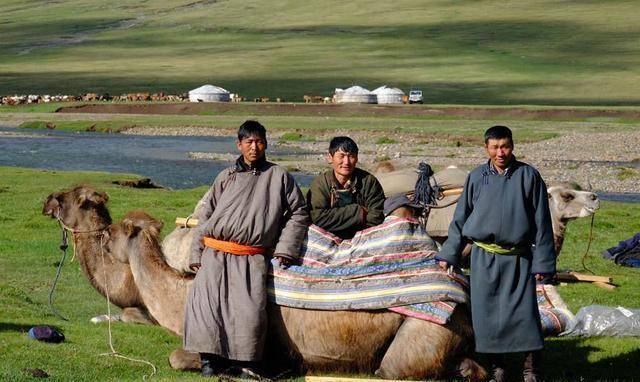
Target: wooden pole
{"x": 573, "y": 276}
{"x": 186, "y": 222}
{"x": 453, "y": 191}
{"x": 604, "y": 285}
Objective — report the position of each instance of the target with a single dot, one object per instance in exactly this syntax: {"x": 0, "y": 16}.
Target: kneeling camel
{"x": 392, "y": 345}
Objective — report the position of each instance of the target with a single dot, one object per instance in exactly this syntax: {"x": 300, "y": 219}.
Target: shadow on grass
{"x": 13, "y": 327}
{"x": 568, "y": 359}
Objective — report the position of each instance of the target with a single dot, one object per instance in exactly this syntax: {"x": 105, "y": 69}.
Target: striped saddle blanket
{"x": 389, "y": 266}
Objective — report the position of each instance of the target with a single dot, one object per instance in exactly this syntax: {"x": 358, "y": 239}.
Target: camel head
{"x": 121, "y": 236}
{"x": 568, "y": 202}
{"x": 81, "y": 205}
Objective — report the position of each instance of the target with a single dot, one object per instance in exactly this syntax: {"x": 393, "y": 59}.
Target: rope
{"x": 63, "y": 247}
{"x": 584, "y": 257}
{"x": 64, "y": 244}
{"x": 113, "y": 352}
{"x": 424, "y": 194}
{"x": 546, "y": 296}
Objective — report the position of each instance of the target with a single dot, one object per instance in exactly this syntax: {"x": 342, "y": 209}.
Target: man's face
{"x": 252, "y": 148}
{"x": 500, "y": 151}
{"x": 343, "y": 163}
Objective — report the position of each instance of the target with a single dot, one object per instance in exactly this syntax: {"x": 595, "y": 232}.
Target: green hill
{"x": 458, "y": 52}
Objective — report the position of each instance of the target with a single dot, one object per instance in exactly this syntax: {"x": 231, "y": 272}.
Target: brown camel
{"x": 84, "y": 211}
{"x": 134, "y": 241}
{"x": 392, "y": 345}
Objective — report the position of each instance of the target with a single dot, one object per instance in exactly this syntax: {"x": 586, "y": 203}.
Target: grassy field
{"x": 489, "y": 52}
{"x": 29, "y": 254}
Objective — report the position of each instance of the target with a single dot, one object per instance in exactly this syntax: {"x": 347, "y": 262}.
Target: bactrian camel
{"x": 395, "y": 346}
{"x": 84, "y": 211}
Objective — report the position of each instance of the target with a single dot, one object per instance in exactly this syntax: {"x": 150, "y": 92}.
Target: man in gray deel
{"x": 253, "y": 210}
{"x": 504, "y": 212}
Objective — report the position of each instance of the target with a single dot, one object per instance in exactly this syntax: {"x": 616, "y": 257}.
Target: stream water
{"x": 164, "y": 159}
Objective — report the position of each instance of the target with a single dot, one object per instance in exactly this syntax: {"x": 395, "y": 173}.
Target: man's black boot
{"x": 207, "y": 369}
{"x": 531, "y": 366}
{"x": 498, "y": 373}
{"x": 212, "y": 365}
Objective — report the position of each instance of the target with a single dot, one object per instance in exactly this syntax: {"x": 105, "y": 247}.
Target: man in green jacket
{"x": 345, "y": 199}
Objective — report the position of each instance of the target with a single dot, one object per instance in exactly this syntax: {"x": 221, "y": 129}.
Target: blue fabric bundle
{"x": 626, "y": 253}
{"x": 46, "y": 334}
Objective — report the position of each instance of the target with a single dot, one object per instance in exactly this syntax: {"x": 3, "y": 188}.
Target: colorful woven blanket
{"x": 555, "y": 316}
{"x": 390, "y": 266}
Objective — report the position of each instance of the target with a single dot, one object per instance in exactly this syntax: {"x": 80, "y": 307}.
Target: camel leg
{"x": 137, "y": 316}
{"x": 181, "y": 359}
{"x": 422, "y": 349}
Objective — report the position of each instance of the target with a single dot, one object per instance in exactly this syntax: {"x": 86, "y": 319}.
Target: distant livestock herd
{"x": 31, "y": 98}
{"x": 132, "y": 97}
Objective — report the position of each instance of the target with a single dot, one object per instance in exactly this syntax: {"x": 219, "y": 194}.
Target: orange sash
{"x": 233, "y": 248}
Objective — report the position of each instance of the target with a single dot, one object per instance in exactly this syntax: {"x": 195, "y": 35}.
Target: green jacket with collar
{"x": 343, "y": 212}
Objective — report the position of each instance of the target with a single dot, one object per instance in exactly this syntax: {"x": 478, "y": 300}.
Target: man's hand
{"x": 195, "y": 267}
{"x": 283, "y": 261}
{"x": 443, "y": 264}
{"x": 546, "y": 278}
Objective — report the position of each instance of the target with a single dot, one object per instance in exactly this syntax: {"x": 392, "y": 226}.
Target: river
{"x": 164, "y": 159}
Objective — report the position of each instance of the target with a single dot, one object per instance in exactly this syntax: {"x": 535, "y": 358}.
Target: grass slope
{"x": 29, "y": 253}
{"x": 462, "y": 52}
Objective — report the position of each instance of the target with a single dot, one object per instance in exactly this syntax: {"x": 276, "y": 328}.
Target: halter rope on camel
{"x": 584, "y": 257}
{"x": 64, "y": 244}
{"x": 113, "y": 352}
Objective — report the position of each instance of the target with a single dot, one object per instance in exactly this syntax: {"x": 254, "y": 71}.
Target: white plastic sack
{"x": 598, "y": 320}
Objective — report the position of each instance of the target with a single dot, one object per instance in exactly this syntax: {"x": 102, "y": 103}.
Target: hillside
{"x": 458, "y": 52}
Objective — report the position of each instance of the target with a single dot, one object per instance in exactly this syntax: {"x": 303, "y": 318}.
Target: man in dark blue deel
{"x": 504, "y": 212}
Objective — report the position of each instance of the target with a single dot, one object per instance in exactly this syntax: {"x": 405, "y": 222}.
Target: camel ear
{"x": 92, "y": 196}
{"x": 156, "y": 227}
{"x": 130, "y": 229}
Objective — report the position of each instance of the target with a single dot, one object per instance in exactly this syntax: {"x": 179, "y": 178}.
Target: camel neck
{"x": 559, "y": 228}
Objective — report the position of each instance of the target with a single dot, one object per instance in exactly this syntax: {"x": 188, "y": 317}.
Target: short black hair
{"x": 345, "y": 144}
{"x": 251, "y": 128}
{"x": 498, "y": 132}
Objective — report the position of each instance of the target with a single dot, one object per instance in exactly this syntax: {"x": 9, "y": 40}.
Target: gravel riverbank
{"x": 605, "y": 162}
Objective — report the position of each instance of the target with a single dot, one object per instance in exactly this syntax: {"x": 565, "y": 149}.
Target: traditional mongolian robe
{"x": 260, "y": 206}
{"x": 345, "y": 211}
{"x": 507, "y": 218}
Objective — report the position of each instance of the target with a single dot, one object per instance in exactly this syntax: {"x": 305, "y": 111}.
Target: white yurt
{"x": 355, "y": 94}
{"x": 209, "y": 93}
{"x": 387, "y": 95}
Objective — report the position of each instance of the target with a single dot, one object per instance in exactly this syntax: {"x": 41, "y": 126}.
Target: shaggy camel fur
{"x": 84, "y": 211}
{"x": 134, "y": 241}
{"x": 392, "y": 345}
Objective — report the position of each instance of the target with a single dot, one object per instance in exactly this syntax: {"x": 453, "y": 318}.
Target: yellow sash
{"x": 500, "y": 250}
